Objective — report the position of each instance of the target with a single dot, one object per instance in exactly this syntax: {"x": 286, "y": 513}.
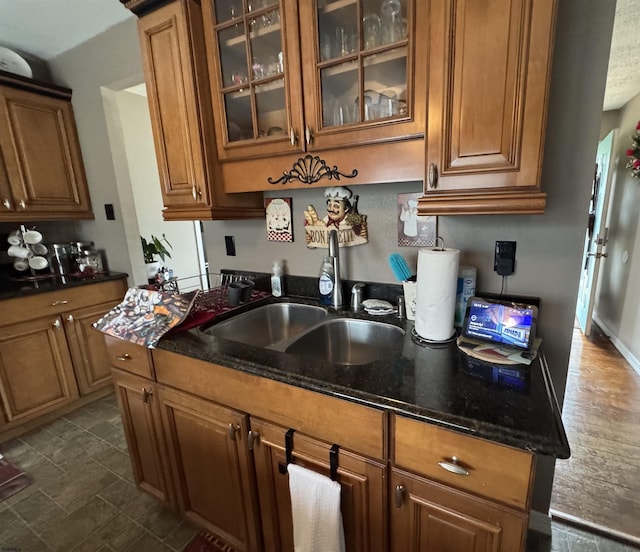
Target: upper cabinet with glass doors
{"x": 293, "y": 77}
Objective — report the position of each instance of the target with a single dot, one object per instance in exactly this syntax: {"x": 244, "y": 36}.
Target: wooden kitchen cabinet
{"x": 172, "y": 46}
{"x": 487, "y": 106}
{"x": 362, "y": 481}
{"x": 140, "y": 410}
{"x": 351, "y": 58}
{"x": 88, "y": 349}
{"x": 463, "y": 491}
{"x": 53, "y": 362}
{"x": 36, "y": 374}
{"x": 212, "y": 469}
{"x": 41, "y": 171}
{"x": 430, "y": 517}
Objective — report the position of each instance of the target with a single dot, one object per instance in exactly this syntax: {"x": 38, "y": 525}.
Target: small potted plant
{"x": 151, "y": 248}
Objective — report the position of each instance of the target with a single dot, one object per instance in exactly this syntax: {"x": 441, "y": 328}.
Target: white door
{"x": 596, "y": 234}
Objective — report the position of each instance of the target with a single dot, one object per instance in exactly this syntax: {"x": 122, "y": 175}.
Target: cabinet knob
{"x": 399, "y": 495}
{"x": 252, "y": 439}
{"x": 293, "y": 137}
{"x": 146, "y": 395}
{"x": 453, "y": 466}
{"x": 232, "y": 431}
{"x": 195, "y": 192}
{"x": 57, "y": 324}
{"x": 123, "y": 358}
{"x": 6, "y": 203}
{"x": 433, "y": 175}
{"x": 56, "y": 303}
{"x": 308, "y": 135}
{"x": 71, "y": 319}
{"x": 22, "y": 204}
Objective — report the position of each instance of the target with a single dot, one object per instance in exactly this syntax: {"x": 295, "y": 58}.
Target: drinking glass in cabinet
{"x": 228, "y": 10}
{"x": 372, "y": 31}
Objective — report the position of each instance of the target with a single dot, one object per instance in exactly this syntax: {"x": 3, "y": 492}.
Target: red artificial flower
{"x": 629, "y": 152}
{"x": 638, "y": 126}
{"x": 636, "y": 164}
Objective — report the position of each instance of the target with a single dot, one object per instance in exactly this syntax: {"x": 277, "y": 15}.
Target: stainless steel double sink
{"x": 312, "y": 332}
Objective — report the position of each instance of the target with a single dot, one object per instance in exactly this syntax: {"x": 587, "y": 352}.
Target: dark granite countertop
{"x": 10, "y": 288}
{"x": 510, "y": 405}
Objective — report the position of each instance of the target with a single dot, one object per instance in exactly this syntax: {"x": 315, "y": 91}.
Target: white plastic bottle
{"x": 326, "y": 280}
{"x": 276, "y": 279}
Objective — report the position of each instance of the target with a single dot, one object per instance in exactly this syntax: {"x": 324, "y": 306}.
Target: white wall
{"x": 549, "y": 246}
{"x": 617, "y": 308}
{"x": 135, "y": 122}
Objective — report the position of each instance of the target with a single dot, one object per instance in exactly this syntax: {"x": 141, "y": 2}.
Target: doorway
{"x": 133, "y": 153}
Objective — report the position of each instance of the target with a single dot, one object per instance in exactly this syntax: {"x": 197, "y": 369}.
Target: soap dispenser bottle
{"x": 276, "y": 279}
{"x": 326, "y": 280}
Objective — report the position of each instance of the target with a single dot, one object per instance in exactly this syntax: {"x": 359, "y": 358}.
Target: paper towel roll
{"x": 436, "y": 293}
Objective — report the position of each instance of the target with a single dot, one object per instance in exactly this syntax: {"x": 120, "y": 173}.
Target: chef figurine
{"x": 339, "y": 205}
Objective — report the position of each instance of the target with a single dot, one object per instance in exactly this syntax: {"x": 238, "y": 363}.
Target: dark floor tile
{"x": 119, "y": 528}
{"x": 43, "y": 441}
{"x": 79, "y": 485}
{"x": 64, "y": 429}
{"x": 39, "y": 511}
{"x": 78, "y": 525}
{"x": 117, "y": 461}
{"x": 78, "y": 449}
{"x": 160, "y": 521}
{"x": 128, "y": 499}
{"x": 148, "y": 543}
{"x": 83, "y": 418}
{"x": 181, "y": 535}
{"x": 108, "y": 432}
{"x": 16, "y": 534}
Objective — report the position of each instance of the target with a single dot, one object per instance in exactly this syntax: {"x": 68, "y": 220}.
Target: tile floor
{"x": 83, "y": 498}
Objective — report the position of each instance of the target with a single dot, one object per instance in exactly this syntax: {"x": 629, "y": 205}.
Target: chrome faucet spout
{"x": 334, "y": 255}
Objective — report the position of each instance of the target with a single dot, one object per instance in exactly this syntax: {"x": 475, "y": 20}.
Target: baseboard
{"x": 626, "y": 353}
{"x": 594, "y": 528}
{"x": 539, "y": 522}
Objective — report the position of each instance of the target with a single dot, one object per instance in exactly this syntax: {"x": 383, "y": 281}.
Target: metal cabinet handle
{"x": 195, "y": 192}
{"x": 122, "y": 358}
{"x": 6, "y": 203}
{"x": 56, "y": 303}
{"x": 71, "y": 319}
{"x": 22, "y": 204}
{"x": 252, "y": 439}
{"x": 57, "y": 325}
{"x": 232, "y": 431}
{"x": 399, "y": 495}
{"x": 146, "y": 395}
{"x": 433, "y": 175}
{"x": 308, "y": 135}
{"x": 293, "y": 137}
{"x": 453, "y": 466}
{"x": 598, "y": 255}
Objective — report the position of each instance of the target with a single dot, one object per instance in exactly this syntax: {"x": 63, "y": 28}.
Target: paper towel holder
{"x": 441, "y": 248}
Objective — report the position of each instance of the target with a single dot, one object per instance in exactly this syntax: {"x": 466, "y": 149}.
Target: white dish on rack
{"x": 14, "y": 63}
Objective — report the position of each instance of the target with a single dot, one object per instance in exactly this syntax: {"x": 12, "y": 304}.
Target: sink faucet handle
{"x": 356, "y": 296}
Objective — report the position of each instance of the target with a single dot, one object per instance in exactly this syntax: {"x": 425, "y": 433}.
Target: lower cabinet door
{"x": 362, "y": 481}
{"x": 429, "y": 517}
{"x": 212, "y": 468}
{"x": 140, "y": 412}
{"x": 36, "y": 375}
{"x": 88, "y": 347}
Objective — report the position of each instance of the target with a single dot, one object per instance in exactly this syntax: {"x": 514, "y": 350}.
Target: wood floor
{"x": 600, "y": 484}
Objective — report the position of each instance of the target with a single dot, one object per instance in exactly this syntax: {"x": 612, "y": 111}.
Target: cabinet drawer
{"x": 494, "y": 471}
{"x": 130, "y": 357}
{"x": 21, "y": 309}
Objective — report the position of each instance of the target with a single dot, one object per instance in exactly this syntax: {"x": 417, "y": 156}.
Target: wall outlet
{"x": 504, "y": 261}
{"x": 230, "y": 244}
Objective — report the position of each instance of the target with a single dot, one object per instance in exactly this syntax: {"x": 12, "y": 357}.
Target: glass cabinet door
{"x": 249, "y": 42}
{"x": 362, "y": 67}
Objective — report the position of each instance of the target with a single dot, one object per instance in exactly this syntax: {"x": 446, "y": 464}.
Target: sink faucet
{"x": 334, "y": 255}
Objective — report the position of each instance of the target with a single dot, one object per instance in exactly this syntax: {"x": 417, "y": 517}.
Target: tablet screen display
{"x": 510, "y": 324}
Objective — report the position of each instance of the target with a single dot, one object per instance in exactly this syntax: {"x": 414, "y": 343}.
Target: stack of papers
{"x": 498, "y": 354}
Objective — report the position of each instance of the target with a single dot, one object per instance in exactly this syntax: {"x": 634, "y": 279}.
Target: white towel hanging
{"x": 315, "y": 504}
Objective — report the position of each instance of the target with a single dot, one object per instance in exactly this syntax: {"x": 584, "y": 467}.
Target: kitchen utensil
{"x": 21, "y": 265}
{"x": 19, "y": 252}
{"x": 399, "y": 267}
